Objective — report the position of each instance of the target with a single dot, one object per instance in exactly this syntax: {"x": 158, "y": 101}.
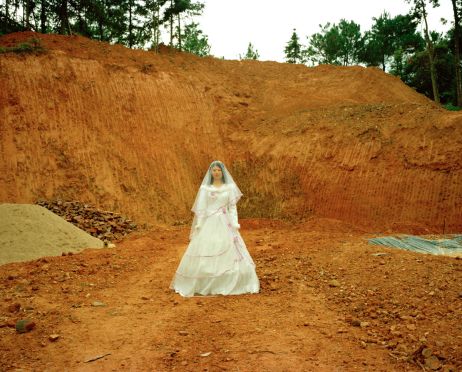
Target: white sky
{"x": 268, "y": 24}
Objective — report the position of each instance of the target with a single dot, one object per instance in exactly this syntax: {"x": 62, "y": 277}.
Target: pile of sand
{"x": 29, "y": 231}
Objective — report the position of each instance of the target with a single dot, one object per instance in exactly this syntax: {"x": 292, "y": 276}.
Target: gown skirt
{"x": 216, "y": 261}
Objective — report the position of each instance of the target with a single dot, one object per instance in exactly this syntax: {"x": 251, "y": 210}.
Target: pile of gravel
{"x": 28, "y": 232}
{"x": 105, "y": 225}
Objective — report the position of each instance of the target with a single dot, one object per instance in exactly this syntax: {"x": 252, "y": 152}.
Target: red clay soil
{"x": 133, "y": 132}
{"x": 327, "y": 303}
{"x": 326, "y": 157}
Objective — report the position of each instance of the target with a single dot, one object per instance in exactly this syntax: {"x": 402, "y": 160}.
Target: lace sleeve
{"x": 232, "y": 209}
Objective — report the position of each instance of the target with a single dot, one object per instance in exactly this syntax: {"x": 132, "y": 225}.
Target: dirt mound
{"x": 28, "y": 232}
{"x": 133, "y": 131}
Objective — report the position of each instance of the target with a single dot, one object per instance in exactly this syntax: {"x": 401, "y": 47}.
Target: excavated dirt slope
{"x": 132, "y": 131}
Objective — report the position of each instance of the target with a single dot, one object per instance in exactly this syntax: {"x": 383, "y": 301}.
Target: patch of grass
{"x": 451, "y": 107}
{"x": 33, "y": 45}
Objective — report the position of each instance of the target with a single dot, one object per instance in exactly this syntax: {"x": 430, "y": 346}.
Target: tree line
{"x": 134, "y": 23}
{"x": 425, "y": 60}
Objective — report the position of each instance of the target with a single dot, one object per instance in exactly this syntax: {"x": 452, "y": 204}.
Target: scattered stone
{"x": 14, "y": 308}
{"x": 427, "y": 353}
{"x": 24, "y": 325}
{"x": 364, "y": 324}
{"x": 145, "y": 298}
{"x": 183, "y": 333}
{"x": 104, "y": 225}
{"x": 334, "y": 283}
{"x": 355, "y": 323}
{"x": 206, "y": 354}
{"x": 53, "y": 337}
{"x": 411, "y": 327}
{"x": 184, "y": 363}
{"x": 433, "y": 363}
{"x": 98, "y": 304}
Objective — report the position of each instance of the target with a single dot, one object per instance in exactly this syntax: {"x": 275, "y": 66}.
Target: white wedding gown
{"x": 216, "y": 260}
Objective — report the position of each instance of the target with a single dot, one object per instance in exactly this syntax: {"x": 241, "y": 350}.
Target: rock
{"x": 145, "y": 298}
{"x": 355, "y": 323}
{"x": 364, "y": 324}
{"x": 206, "y": 354}
{"x": 411, "y": 327}
{"x": 14, "y": 308}
{"x": 53, "y": 337}
{"x": 334, "y": 283}
{"x": 24, "y": 325}
{"x": 183, "y": 333}
{"x": 433, "y": 363}
{"x": 98, "y": 304}
{"x": 95, "y": 222}
{"x": 273, "y": 287}
{"x": 427, "y": 353}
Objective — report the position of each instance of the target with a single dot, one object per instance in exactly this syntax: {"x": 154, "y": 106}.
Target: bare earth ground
{"x": 326, "y": 304}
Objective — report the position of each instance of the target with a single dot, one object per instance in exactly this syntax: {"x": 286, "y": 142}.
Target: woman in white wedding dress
{"x": 216, "y": 260}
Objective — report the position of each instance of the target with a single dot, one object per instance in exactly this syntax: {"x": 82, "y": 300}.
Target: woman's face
{"x": 217, "y": 174}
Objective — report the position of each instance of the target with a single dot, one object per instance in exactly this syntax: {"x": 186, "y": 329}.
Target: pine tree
{"x": 293, "y": 50}
{"x": 456, "y": 6}
{"x": 420, "y": 11}
{"x": 251, "y": 53}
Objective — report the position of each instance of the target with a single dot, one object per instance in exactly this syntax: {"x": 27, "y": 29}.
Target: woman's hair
{"x": 219, "y": 164}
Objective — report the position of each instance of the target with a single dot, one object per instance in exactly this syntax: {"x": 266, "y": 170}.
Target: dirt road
{"x": 327, "y": 303}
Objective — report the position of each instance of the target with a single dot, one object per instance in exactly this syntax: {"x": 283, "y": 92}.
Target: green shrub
{"x": 451, "y": 107}
{"x": 32, "y": 45}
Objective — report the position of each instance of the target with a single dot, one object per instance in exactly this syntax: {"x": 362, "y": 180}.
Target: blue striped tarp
{"x": 449, "y": 246}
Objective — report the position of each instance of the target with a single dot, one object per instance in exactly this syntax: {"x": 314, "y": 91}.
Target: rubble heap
{"x": 105, "y": 225}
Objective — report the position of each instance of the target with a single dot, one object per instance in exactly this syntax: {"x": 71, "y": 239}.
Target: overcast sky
{"x": 231, "y": 24}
